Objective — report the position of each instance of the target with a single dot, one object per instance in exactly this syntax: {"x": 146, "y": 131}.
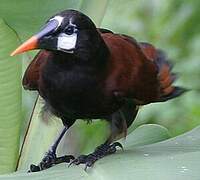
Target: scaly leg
{"x": 117, "y": 127}
{"x": 118, "y": 123}
{"x": 50, "y": 158}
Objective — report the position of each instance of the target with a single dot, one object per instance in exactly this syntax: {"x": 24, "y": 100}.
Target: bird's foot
{"x": 50, "y": 160}
{"x": 100, "y": 152}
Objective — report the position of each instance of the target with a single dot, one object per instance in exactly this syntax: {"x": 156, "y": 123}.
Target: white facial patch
{"x": 67, "y": 42}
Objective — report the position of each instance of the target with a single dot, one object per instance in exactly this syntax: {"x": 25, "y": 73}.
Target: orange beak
{"x": 33, "y": 42}
{"x": 30, "y": 44}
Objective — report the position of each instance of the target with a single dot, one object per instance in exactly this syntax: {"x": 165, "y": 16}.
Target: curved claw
{"x": 89, "y": 164}
{"x": 73, "y": 162}
{"x": 66, "y": 158}
{"x": 117, "y": 144}
{"x": 79, "y": 160}
{"x": 100, "y": 152}
{"x": 50, "y": 160}
{"x": 34, "y": 168}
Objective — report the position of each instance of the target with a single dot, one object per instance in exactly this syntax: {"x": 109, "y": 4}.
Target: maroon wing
{"x": 139, "y": 70}
{"x": 32, "y": 73}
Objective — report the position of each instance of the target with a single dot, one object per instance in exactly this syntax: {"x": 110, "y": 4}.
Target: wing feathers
{"x": 165, "y": 76}
{"x": 32, "y": 73}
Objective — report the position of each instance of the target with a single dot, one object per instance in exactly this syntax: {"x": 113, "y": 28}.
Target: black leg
{"x": 50, "y": 157}
{"x": 57, "y": 141}
{"x": 118, "y": 127}
{"x": 101, "y": 151}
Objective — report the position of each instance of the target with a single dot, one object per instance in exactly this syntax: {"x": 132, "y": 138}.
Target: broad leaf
{"x": 175, "y": 158}
{"x": 10, "y": 100}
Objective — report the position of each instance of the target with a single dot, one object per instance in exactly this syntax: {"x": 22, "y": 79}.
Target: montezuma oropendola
{"x": 86, "y": 72}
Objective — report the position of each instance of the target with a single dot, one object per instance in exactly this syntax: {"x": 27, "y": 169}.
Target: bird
{"x": 85, "y": 72}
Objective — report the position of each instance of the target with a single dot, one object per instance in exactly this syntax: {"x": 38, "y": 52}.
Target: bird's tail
{"x": 165, "y": 76}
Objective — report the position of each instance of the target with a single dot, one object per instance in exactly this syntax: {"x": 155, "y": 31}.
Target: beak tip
{"x": 28, "y": 45}
{"x": 15, "y": 52}
{"x": 12, "y": 54}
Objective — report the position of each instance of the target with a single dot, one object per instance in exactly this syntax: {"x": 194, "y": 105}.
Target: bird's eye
{"x": 69, "y": 30}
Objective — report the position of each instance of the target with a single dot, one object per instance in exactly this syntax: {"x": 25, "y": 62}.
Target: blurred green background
{"x": 174, "y": 27}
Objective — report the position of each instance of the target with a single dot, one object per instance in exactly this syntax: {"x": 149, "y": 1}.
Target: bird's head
{"x": 69, "y": 31}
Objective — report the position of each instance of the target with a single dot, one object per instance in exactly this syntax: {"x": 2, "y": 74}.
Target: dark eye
{"x": 69, "y": 30}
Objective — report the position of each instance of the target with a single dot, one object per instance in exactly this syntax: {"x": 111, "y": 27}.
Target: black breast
{"x": 74, "y": 91}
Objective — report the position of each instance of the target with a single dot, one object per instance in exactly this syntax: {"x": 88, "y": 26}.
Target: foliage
{"x": 10, "y": 100}
{"x": 175, "y": 158}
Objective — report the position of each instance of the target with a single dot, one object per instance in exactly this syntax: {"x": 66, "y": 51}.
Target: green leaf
{"x": 10, "y": 100}
{"x": 175, "y": 158}
{"x": 146, "y": 134}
